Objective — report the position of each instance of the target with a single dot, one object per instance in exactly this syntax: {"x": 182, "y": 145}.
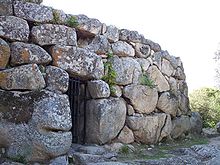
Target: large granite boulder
{"x": 34, "y": 125}
{"x": 4, "y": 53}
{"x": 25, "y": 77}
{"x": 105, "y": 119}
{"x": 22, "y": 53}
{"x": 143, "y": 98}
{"x": 127, "y": 69}
{"x": 78, "y": 61}
{"x": 14, "y": 28}
{"x": 147, "y": 129}
{"x": 122, "y": 49}
{"x": 6, "y": 7}
{"x": 98, "y": 89}
{"x": 33, "y": 12}
{"x": 49, "y": 34}
{"x": 112, "y": 33}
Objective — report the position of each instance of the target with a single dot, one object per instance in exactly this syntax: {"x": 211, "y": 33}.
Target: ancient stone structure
{"x": 137, "y": 91}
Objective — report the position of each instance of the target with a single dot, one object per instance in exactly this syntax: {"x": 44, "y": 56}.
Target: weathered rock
{"x": 126, "y": 135}
{"x": 183, "y": 103}
{"x": 147, "y": 129}
{"x": 6, "y": 7}
{"x": 154, "y": 46}
{"x": 218, "y": 127}
{"x": 88, "y": 26}
{"x": 116, "y": 91}
{"x": 142, "y": 50}
{"x": 62, "y": 160}
{"x": 157, "y": 60}
{"x": 49, "y": 34}
{"x": 32, "y": 1}
{"x": 144, "y": 63}
{"x": 130, "y": 36}
{"x": 114, "y": 147}
{"x": 108, "y": 163}
{"x": 195, "y": 123}
{"x": 14, "y": 28}
{"x": 130, "y": 110}
{"x": 78, "y": 61}
{"x": 81, "y": 158}
{"x": 181, "y": 125}
{"x": 158, "y": 79}
{"x": 210, "y": 132}
{"x": 112, "y": 33}
{"x": 168, "y": 103}
{"x": 99, "y": 45}
{"x": 179, "y": 74}
{"x": 122, "y": 49}
{"x": 26, "y": 77}
{"x": 105, "y": 119}
{"x": 33, "y": 12}
{"x": 143, "y": 98}
{"x": 167, "y": 128}
{"x": 183, "y": 88}
{"x": 60, "y": 17}
{"x": 173, "y": 85}
{"x": 127, "y": 69}
{"x": 167, "y": 68}
{"x": 93, "y": 150}
{"x": 98, "y": 89}
{"x": 4, "y": 53}
{"x": 22, "y": 53}
{"x": 56, "y": 79}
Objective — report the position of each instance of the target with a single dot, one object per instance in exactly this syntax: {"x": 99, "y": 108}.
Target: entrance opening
{"x": 77, "y": 99}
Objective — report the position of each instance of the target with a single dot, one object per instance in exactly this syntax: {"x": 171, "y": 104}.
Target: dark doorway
{"x": 77, "y": 98}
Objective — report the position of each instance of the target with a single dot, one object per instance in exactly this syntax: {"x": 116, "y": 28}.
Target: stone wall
{"x": 144, "y": 97}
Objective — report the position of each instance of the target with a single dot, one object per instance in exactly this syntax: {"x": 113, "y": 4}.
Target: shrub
{"x": 145, "y": 80}
{"x": 72, "y": 22}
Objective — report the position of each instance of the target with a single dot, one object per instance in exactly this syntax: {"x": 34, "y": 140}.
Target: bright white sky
{"x": 189, "y": 29}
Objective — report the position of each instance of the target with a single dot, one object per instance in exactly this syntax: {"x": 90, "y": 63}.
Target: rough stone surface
{"x": 98, "y": 89}
{"x": 142, "y": 50}
{"x": 144, "y": 63}
{"x": 127, "y": 69}
{"x": 26, "y": 77}
{"x": 4, "y": 53}
{"x": 179, "y": 74}
{"x": 14, "y": 28}
{"x": 22, "y": 53}
{"x": 6, "y": 7}
{"x": 62, "y": 160}
{"x": 88, "y": 26}
{"x": 116, "y": 91}
{"x": 167, "y": 68}
{"x": 158, "y": 79}
{"x": 183, "y": 103}
{"x": 167, "y": 128}
{"x": 56, "y": 79}
{"x": 143, "y": 98}
{"x": 146, "y": 129}
{"x": 33, "y": 12}
{"x": 180, "y": 125}
{"x": 32, "y": 1}
{"x": 49, "y": 34}
{"x": 122, "y": 49}
{"x": 195, "y": 123}
{"x": 130, "y": 110}
{"x": 78, "y": 62}
{"x": 112, "y": 33}
{"x": 130, "y": 36}
{"x": 154, "y": 46}
{"x": 126, "y": 135}
{"x": 168, "y": 103}
{"x": 105, "y": 119}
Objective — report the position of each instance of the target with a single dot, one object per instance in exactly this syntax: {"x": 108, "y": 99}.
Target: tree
{"x": 206, "y": 101}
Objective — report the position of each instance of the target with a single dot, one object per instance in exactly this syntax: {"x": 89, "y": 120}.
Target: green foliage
{"x": 72, "y": 22}
{"x": 145, "y": 80}
{"x": 206, "y": 101}
{"x": 124, "y": 150}
{"x": 20, "y": 159}
{"x": 110, "y": 76}
{"x": 56, "y": 17}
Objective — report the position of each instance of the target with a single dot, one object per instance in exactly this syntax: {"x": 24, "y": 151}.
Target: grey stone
{"x": 159, "y": 80}
{"x": 60, "y": 17}
{"x": 93, "y": 150}
{"x": 62, "y": 160}
{"x": 130, "y": 36}
{"x": 78, "y": 62}
{"x": 167, "y": 68}
{"x": 122, "y": 49}
{"x": 179, "y": 74}
{"x": 88, "y": 26}
{"x": 57, "y": 79}
{"x": 143, "y": 98}
{"x": 154, "y": 46}
{"x": 22, "y": 53}
{"x": 4, "y": 53}
{"x": 112, "y": 33}
{"x": 81, "y": 158}
{"x": 98, "y": 89}
{"x": 210, "y": 132}
{"x": 167, "y": 128}
{"x": 173, "y": 85}
{"x": 127, "y": 69}
{"x": 168, "y": 103}
{"x": 114, "y": 147}
{"x": 116, "y": 91}
{"x": 32, "y": 1}
{"x": 144, "y": 63}
{"x": 14, "y": 28}
{"x": 183, "y": 103}
{"x": 49, "y": 34}
{"x": 130, "y": 110}
{"x": 182, "y": 86}
{"x": 146, "y": 129}
{"x": 217, "y": 126}
{"x": 195, "y": 123}
{"x": 126, "y": 136}
{"x": 6, "y": 7}
{"x": 105, "y": 119}
{"x": 25, "y": 77}
{"x": 33, "y": 12}
{"x": 142, "y": 50}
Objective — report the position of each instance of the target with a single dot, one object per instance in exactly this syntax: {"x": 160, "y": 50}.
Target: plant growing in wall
{"x": 145, "y": 80}
{"x": 72, "y": 21}
{"x": 56, "y": 17}
{"x": 110, "y": 76}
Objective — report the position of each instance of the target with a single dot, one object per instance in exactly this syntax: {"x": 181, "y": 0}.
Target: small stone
{"x": 116, "y": 91}
{"x": 25, "y": 77}
{"x": 57, "y": 79}
{"x": 130, "y": 110}
{"x": 4, "y": 53}
{"x": 49, "y": 34}
{"x": 112, "y": 33}
{"x": 22, "y": 53}
{"x": 6, "y": 7}
{"x": 130, "y": 36}
{"x": 154, "y": 46}
{"x": 179, "y": 74}
{"x": 126, "y": 135}
{"x": 167, "y": 68}
{"x": 122, "y": 49}
{"x": 142, "y": 50}
{"x": 14, "y": 28}
{"x": 98, "y": 89}
{"x": 144, "y": 63}
{"x": 62, "y": 160}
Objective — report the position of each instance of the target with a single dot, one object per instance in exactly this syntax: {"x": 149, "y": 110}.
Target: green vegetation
{"x": 206, "y": 101}
{"x": 56, "y": 17}
{"x": 19, "y": 159}
{"x": 110, "y": 76}
{"x": 145, "y": 80}
{"x": 72, "y": 22}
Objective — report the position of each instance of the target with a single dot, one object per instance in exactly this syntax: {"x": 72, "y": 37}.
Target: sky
{"x": 189, "y": 29}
